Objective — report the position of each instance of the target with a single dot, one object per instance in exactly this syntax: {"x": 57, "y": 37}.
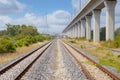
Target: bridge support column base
{"x": 110, "y": 19}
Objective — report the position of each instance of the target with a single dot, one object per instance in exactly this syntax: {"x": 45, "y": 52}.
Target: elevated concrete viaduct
{"x": 80, "y": 25}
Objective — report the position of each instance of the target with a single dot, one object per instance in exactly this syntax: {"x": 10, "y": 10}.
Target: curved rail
{"x": 114, "y": 77}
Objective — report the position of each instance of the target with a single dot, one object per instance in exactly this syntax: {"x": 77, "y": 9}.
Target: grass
{"x": 9, "y": 56}
{"x": 111, "y": 62}
{"x": 82, "y": 46}
{"x": 72, "y": 41}
{"x": 106, "y": 57}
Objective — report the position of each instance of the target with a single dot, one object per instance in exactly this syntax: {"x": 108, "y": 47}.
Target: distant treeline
{"x": 19, "y": 35}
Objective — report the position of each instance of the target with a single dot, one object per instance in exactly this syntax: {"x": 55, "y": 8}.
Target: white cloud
{"x": 4, "y": 20}
{"x": 57, "y": 21}
{"x": 28, "y": 18}
{"x": 59, "y": 17}
{"x": 11, "y": 6}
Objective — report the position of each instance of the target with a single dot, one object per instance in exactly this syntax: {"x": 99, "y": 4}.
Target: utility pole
{"x": 80, "y": 4}
{"x": 46, "y": 25}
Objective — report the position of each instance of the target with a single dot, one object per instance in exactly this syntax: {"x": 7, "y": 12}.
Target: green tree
{"x": 117, "y": 32}
{"x": 103, "y": 33}
{"x": 13, "y": 30}
{"x": 28, "y": 30}
{"x": 2, "y": 32}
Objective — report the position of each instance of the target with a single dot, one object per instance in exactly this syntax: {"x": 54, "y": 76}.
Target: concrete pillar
{"x": 96, "y": 25}
{"x": 70, "y": 33}
{"x": 83, "y": 28}
{"x": 79, "y": 29}
{"x": 76, "y": 26}
{"x": 110, "y": 18}
{"x": 67, "y": 34}
{"x": 74, "y": 31}
{"x": 88, "y": 27}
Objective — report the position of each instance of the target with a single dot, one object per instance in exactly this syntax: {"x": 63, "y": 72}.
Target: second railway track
{"x": 87, "y": 72}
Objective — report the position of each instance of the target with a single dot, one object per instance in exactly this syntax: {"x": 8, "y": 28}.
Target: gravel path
{"x": 72, "y": 68}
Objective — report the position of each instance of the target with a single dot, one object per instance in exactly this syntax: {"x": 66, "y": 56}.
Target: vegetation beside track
{"x": 16, "y": 36}
{"x": 19, "y": 51}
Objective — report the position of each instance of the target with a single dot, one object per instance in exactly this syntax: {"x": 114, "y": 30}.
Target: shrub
{"x": 6, "y": 46}
{"x": 118, "y": 56}
{"x": 117, "y": 41}
{"x": 26, "y": 41}
{"x": 40, "y": 38}
{"x": 72, "y": 41}
{"x": 82, "y": 46}
{"x": 22, "y": 42}
{"x": 19, "y": 43}
{"x": 100, "y": 48}
{"x": 109, "y": 53}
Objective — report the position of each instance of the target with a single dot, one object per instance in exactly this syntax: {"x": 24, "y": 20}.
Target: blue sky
{"x": 47, "y": 6}
{"x": 56, "y": 13}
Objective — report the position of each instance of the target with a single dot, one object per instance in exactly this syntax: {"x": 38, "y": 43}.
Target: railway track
{"x": 83, "y": 67}
{"x": 55, "y": 64}
{"x": 16, "y": 69}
